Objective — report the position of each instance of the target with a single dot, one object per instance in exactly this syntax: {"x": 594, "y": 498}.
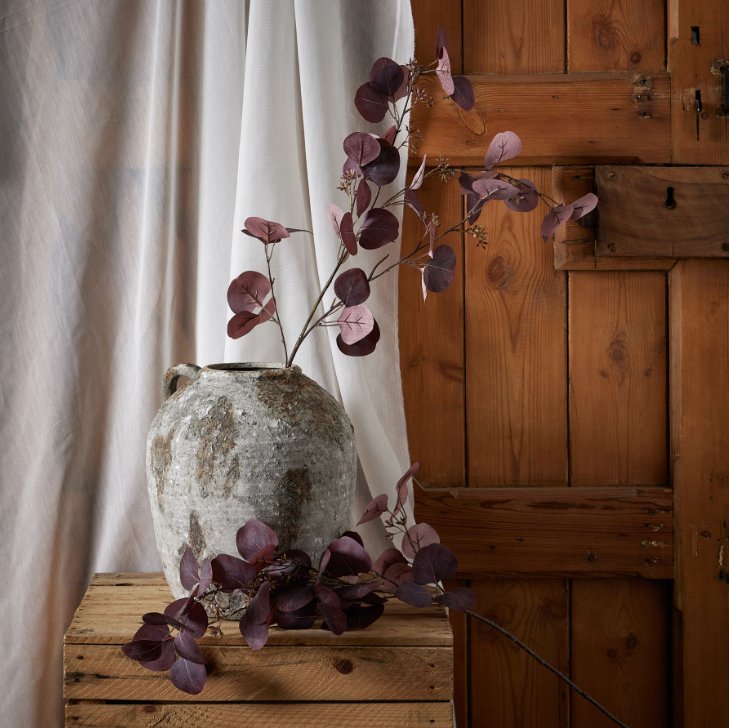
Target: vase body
{"x": 247, "y": 441}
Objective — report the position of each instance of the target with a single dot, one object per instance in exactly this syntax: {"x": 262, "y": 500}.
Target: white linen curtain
{"x": 135, "y": 137}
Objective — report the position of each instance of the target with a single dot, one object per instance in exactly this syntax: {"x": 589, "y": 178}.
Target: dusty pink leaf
{"x": 363, "y": 347}
{"x": 417, "y": 537}
{"x": 355, "y": 322}
{"x": 248, "y": 291}
{"x": 419, "y": 176}
{"x": 494, "y": 189}
{"x": 402, "y": 486}
{"x": 526, "y": 199}
{"x": 386, "y": 559}
{"x": 505, "y": 145}
{"x": 335, "y": 215}
{"x": 244, "y": 322}
{"x": 583, "y": 205}
{"x": 443, "y": 71}
{"x": 266, "y": 231}
{"x": 376, "y": 507}
{"x": 554, "y": 218}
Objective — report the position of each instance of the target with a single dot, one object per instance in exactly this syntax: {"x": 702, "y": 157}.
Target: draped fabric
{"x": 135, "y": 137}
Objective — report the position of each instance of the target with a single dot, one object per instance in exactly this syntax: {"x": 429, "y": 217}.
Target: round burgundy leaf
{"x": 230, "y": 572}
{"x": 254, "y": 536}
{"x": 143, "y": 650}
{"x": 463, "y": 93}
{"x": 504, "y": 145}
{"x": 243, "y": 323}
{"x": 386, "y": 77}
{"x": 390, "y": 134}
{"x": 266, "y": 231}
{"x": 334, "y": 618}
{"x": 363, "y": 347}
{"x": 248, "y": 291}
{"x": 354, "y": 535}
{"x": 166, "y": 659}
{"x": 379, "y": 228}
{"x": 361, "y": 148}
{"x": 347, "y": 557}
{"x": 417, "y": 537}
{"x": 402, "y": 92}
{"x": 554, "y": 218}
{"x": 327, "y": 596}
{"x": 414, "y": 595}
{"x": 371, "y": 104}
{"x": 295, "y": 597}
{"x": 300, "y": 619}
{"x": 188, "y": 676}
{"x": 363, "y": 196}
{"x": 346, "y": 233}
{"x": 190, "y": 614}
{"x": 383, "y": 170}
{"x": 434, "y": 563}
{"x": 386, "y": 559}
{"x": 526, "y": 199}
{"x": 352, "y": 287}
{"x": 189, "y": 569}
{"x": 188, "y": 649}
{"x": 440, "y": 271}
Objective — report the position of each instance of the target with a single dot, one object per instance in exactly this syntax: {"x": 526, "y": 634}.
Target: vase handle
{"x": 172, "y": 375}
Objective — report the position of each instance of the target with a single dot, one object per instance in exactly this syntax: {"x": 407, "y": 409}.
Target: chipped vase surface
{"x": 243, "y": 441}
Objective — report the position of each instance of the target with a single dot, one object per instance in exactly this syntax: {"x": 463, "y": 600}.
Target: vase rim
{"x": 232, "y": 367}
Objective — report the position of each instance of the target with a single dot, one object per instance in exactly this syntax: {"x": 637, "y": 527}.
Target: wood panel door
{"x": 569, "y": 410}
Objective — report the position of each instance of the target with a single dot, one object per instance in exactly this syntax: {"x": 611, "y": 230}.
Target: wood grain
{"x": 616, "y": 35}
{"x": 699, "y": 305}
{"x": 461, "y": 627}
{"x": 262, "y": 715}
{"x": 431, "y": 349}
{"x": 509, "y": 688}
{"x": 574, "y": 242}
{"x": 690, "y": 67}
{"x": 501, "y": 36}
{"x": 621, "y": 638}
{"x": 562, "y": 119}
{"x": 427, "y": 16}
{"x": 554, "y": 532}
{"x": 618, "y": 369}
{"x": 110, "y": 613}
{"x": 515, "y": 353}
{"x": 634, "y": 217}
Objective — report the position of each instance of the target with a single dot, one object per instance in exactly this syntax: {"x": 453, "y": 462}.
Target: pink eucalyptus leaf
{"x": 230, "y": 572}
{"x": 583, "y": 205}
{"x": 266, "y": 231}
{"x": 335, "y": 215}
{"x": 526, "y": 199}
{"x": 386, "y": 559}
{"x": 355, "y": 322}
{"x": 187, "y": 648}
{"x": 188, "y": 676}
{"x": 443, "y": 71}
{"x": 494, "y": 189}
{"x": 375, "y": 508}
{"x": 243, "y": 323}
{"x": 417, "y": 537}
{"x": 361, "y": 148}
{"x": 347, "y": 558}
{"x": 363, "y": 347}
{"x": 402, "y": 486}
{"x": 554, "y": 218}
{"x": 419, "y": 176}
{"x": 505, "y": 145}
{"x": 248, "y": 291}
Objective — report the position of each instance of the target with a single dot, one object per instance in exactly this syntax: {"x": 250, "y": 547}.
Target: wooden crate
{"x": 398, "y": 672}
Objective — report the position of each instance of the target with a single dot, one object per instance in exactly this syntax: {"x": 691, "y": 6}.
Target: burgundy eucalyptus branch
{"x": 373, "y": 163}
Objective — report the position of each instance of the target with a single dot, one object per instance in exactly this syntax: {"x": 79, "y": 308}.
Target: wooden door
{"x": 570, "y": 410}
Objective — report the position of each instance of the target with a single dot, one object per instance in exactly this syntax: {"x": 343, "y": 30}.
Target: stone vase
{"x": 243, "y": 441}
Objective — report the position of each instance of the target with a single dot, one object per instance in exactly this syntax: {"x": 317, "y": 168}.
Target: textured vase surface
{"x": 247, "y": 441}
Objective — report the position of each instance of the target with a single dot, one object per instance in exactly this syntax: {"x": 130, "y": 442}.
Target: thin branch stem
{"x": 276, "y": 318}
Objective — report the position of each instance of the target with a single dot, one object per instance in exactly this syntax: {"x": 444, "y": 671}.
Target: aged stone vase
{"x": 243, "y": 441}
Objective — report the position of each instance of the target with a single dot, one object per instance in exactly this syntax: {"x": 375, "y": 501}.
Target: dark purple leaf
{"x": 402, "y": 92}
{"x": 295, "y": 597}
{"x": 466, "y": 181}
{"x": 494, "y": 189}
{"x": 152, "y": 632}
{"x": 350, "y": 167}
{"x": 335, "y": 215}
{"x": 361, "y": 148}
{"x": 253, "y": 536}
{"x": 463, "y": 93}
{"x": 300, "y": 619}
{"x": 279, "y": 569}
{"x": 504, "y": 145}
{"x": 417, "y": 537}
{"x": 443, "y": 71}
{"x": 583, "y": 205}
{"x": 440, "y": 270}
{"x": 354, "y": 535}
{"x": 190, "y": 614}
{"x": 188, "y": 676}
{"x": 189, "y": 569}
{"x": 387, "y": 558}
{"x": 386, "y": 77}
{"x": 299, "y": 557}
{"x": 363, "y": 347}
{"x": 355, "y": 322}
{"x": 462, "y": 599}
{"x": 346, "y": 233}
{"x": 187, "y": 648}
{"x": 362, "y": 617}
{"x": 402, "y": 486}
{"x": 143, "y": 650}
{"x": 324, "y": 560}
{"x": 384, "y": 169}
{"x": 263, "y": 557}
{"x": 413, "y": 201}
{"x": 396, "y": 574}
{"x": 352, "y": 287}
{"x": 434, "y": 563}
{"x": 155, "y": 618}
{"x": 334, "y": 618}
{"x": 526, "y": 199}
{"x": 255, "y": 620}
{"x": 371, "y": 104}
{"x": 248, "y": 292}
{"x": 375, "y": 508}
{"x": 347, "y": 557}
{"x": 379, "y": 228}
{"x": 554, "y": 218}
{"x": 358, "y": 591}
{"x": 165, "y": 660}
{"x": 206, "y": 576}
{"x": 414, "y": 595}
{"x": 243, "y": 323}
{"x": 265, "y": 230}
{"x": 326, "y": 595}
{"x": 363, "y": 197}
{"x": 230, "y": 572}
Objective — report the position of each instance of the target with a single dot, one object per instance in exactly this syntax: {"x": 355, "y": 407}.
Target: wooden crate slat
{"x": 554, "y": 532}
{"x": 262, "y": 715}
{"x": 102, "y": 672}
{"x": 562, "y": 119}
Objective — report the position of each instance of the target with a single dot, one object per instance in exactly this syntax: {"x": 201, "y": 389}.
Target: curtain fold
{"x": 135, "y": 137}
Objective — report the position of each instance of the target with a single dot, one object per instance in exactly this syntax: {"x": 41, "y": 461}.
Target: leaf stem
{"x": 276, "y": 318}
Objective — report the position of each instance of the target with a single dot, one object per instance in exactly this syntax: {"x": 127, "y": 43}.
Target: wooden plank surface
{"x": 516, "y": 418}
{"x": 621, "y": 651}
{"x": 699, "y": 306}
{"x": 562, "y": 119}
{"x": 501, "y": 36}
{"x": 431, "y": 348}
{"x": 553, "y": 532}
{"x": 428, "y": 15}
{"x": 275, "y": 673}
{"x": 510, "y": 688}
{"x": 618, "y": 369}
{"x": 690, "y": 64}
{"x": 574, "y": 242}
{"x": 635, "y": 219}
{"x": 616, "y": 35}
{"x": 111, "y": 612}
{"x": 262, "y": 715}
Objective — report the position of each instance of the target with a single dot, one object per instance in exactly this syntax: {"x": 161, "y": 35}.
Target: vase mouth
{"x": 248, "y": 366}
